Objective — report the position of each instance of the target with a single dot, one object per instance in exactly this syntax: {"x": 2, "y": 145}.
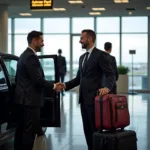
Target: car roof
{"x": 7, "y": 55}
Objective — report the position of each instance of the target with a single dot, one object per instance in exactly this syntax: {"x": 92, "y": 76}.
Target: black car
{"x": 50, "y": 113}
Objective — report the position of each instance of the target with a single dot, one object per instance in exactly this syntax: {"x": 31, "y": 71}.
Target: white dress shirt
{"x": 90, "y": 51}
{"x": 32, "y": 50}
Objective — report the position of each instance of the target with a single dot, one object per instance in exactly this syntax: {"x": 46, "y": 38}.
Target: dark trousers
{"x": 28, "y": 124}
{"x": 88, "y": 118}
{"x": 114, "y": 90}
{"x": 62, "y": 77}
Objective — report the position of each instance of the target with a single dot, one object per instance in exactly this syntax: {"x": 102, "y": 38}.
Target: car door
{"x": 4, "y": 95}
{"x": 50, "y": 113}
{"x": 9, "y": 63}
{"x": 6, "y": 130}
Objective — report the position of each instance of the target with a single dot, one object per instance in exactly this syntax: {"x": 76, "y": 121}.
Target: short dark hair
{"x": 59, "y": 51}
{"x": 33, "y": 34}
{"x": 90, "y": 33}
{"x": 107, "y": 46}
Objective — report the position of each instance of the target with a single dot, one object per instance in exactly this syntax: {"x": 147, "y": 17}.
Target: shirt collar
{"x": 32, "y": 50}
{"x": 90, "y": 50}
{"x": 107, "y": 52}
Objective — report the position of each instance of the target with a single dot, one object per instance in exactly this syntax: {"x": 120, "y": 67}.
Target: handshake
{"x": 59, "y": 86}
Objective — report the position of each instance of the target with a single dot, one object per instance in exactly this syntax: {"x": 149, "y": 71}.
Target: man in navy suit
{"x": 93, "y": 64}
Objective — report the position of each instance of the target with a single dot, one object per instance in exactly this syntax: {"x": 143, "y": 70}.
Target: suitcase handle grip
{"x": 97, "y": 93}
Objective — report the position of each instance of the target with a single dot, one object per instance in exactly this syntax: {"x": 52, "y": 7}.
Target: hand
{"x": 103, "y": 91}
{"x": 59, "y": 86}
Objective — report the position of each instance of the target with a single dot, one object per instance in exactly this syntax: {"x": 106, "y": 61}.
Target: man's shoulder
{"x": 26, "y": 54}
{"x": 101, "y": 52}
{"x": 60, "y": 56}
{"x": 63, "y": 57}
{"x": 113, "y": 57}
{"x": 82, "y": 55}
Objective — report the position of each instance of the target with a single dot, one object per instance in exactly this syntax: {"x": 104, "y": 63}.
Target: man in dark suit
{"x": 29, "y": 96}
{"x": 108, "y": 49}
{"x": 62, "y": 66}
{"x": 92, "y": 65}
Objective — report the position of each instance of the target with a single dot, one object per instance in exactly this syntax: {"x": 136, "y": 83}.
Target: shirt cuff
{"x": 54, "y": 87}
{"x": 64, "y": 85}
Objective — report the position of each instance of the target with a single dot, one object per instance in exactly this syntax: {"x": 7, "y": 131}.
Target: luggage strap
{"x": 101, "y": 113}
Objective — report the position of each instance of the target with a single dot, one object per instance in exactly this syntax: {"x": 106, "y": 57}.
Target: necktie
{"x": 85, "y": 60}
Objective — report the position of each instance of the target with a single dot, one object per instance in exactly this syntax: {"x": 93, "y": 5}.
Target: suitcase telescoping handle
{"x": 101, "y": 111}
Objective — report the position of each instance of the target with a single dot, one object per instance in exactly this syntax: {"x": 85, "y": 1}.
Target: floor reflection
{"x": 41, "y": 143}
{"x": 71, "y": 137}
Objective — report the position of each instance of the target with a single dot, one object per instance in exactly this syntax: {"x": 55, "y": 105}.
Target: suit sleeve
{"x": 105, "y": 65}
{"x": 116, "y": 70}
{"x": 74, "y": 82}
{"x": 34, "y": 70}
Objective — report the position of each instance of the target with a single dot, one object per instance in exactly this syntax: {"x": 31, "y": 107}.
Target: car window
{"x": 48, "y": 68}
{"x": 3, "y": 83}
{"x": 11, "y": 66}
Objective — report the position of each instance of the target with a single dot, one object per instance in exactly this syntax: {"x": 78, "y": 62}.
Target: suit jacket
{"x": 114, "y": 66}
{"x": 91, "y": 79}
{"x": 30, "y": 82}
{"x": 62, "y": 64}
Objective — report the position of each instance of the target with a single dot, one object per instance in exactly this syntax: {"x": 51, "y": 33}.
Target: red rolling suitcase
{"x": 111, "y": 112}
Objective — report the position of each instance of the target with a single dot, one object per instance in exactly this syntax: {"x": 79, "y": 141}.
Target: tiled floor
{"x": 70, "y": 136}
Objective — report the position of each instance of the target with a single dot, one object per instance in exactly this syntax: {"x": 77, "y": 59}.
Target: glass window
{"x": 20, "y": 44}
{"x": 9, "y": 44}
{"x": 53, "y": 43}
{"x": 108, "y": 25}
{"x": 11, "y": 66}
{"x": 3, "y": 84}
{"x": 48, "y": 68}
{"x": 77, "y": 52}
{"x": 79, "y": 24}
{"x": 137, "y": 82}
{"x": 114, "y": 39}
{"x": 134, "y": 24}
{"x": 9, "y": 26}
{"x": 52, "y": 25}
{"x": 26, "y": 25}
{"x": 138, "y": 42}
